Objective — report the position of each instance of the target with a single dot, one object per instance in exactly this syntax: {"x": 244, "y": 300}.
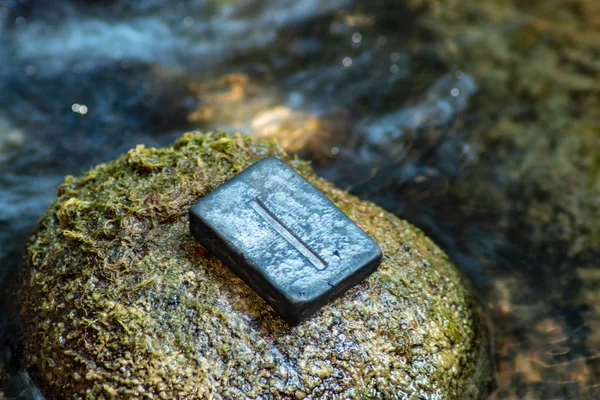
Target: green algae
{"x": 118, "y": 300}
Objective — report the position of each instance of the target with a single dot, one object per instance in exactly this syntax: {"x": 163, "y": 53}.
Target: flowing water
{"x": 463, "y": 118}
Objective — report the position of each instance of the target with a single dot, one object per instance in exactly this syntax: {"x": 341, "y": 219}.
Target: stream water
{"x": 434, "y": 111}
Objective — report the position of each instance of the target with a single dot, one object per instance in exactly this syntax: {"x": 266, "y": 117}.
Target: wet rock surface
{"x": 117, "y": 299}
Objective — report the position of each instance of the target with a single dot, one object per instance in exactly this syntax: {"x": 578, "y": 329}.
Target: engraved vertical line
{"x": 260, "y": 208}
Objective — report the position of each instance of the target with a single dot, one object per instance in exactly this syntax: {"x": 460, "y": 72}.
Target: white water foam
{"x": 194, "y": 40}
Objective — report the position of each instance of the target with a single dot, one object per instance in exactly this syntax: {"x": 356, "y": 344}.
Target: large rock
{"x": 118, "y": 300}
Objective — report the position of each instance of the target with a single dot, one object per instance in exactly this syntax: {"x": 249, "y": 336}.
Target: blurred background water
{"x": 478, "y": 121}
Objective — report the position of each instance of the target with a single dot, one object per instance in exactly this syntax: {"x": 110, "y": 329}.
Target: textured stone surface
{"x": 117, "y": 299}
{"x": 284, "y": 238}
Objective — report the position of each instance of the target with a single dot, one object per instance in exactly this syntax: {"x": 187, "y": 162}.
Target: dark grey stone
{"x": 284, "y": 238}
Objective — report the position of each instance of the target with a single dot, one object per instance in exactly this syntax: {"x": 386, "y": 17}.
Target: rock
{"x": 117, "y": 299}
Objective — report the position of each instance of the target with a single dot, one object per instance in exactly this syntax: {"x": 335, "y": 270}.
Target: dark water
{"x": 395, "y": 101}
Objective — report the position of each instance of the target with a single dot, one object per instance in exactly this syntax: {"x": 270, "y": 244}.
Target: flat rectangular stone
{"x": 284, "y": 238}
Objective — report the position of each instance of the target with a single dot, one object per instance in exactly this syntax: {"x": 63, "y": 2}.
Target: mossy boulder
{"x": 118, "y": 300}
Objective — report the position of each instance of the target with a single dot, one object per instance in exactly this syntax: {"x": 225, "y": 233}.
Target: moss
{"x": 117, "y": 299}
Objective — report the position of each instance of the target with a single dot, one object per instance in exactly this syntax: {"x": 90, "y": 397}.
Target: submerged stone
{"x": 118, "y": 300}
